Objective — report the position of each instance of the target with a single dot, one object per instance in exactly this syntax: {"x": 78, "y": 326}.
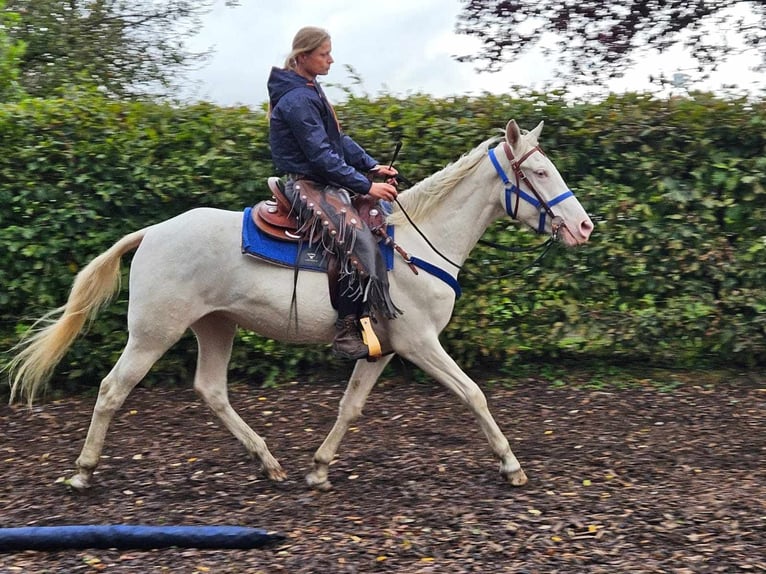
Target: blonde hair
{"x": 306, "y": 40}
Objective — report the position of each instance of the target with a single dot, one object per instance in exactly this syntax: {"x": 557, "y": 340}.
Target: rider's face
{"x": 318, "y": 61}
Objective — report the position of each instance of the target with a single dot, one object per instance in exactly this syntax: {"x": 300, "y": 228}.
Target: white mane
{"x": 420, "y": 199}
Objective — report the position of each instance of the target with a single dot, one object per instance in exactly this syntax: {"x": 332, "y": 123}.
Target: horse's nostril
{"x": 586, "y": 228}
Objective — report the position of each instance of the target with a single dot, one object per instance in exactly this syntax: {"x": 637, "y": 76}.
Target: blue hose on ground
{"x": 125, "y": 537}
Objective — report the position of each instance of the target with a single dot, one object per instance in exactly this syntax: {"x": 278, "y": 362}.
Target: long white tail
{"x": 46, "y": 343}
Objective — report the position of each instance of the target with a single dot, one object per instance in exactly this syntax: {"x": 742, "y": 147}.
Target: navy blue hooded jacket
{"x": 305, "y": 137}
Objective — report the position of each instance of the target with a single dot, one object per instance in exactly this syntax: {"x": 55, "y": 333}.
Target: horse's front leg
{"x": 357, "y": 390}
{"x": 434, "y": 360}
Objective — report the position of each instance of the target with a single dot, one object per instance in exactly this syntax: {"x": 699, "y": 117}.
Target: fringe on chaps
{"x": 328, "y": 216}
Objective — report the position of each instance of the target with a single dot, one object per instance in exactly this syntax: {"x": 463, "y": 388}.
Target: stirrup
{"x": 370, "y": 339}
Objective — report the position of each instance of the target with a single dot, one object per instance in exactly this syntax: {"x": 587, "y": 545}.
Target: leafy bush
{"x": 674, "y": 272}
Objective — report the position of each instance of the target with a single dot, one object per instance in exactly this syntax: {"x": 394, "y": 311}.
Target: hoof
{"x": 322, "y": 485}
{"x": 276, "y": 474}
{"x": 78, "y": 482}
{"x": 517, "y": 478}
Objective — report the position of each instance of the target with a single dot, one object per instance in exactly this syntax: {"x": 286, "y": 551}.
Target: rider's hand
{"x": 388, "y": 170}
{"x": 384, "y": 191}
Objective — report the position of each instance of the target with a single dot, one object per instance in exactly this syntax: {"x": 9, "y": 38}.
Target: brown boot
{"x": 348, "y": 342}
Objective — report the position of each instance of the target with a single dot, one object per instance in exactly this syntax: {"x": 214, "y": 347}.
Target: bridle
{"x": 537, "y": 200}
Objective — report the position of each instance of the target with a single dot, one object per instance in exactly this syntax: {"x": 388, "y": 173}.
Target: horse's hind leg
{"x": 132, "y": 366}
{"x": 215, "y": 335}
{"x": 358, "y": 389}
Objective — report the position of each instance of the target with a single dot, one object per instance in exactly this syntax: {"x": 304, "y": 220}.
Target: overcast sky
{"x": 397, "y": 46}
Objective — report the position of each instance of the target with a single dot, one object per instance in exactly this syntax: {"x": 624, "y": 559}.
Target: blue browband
{"x": 511, "y": 188}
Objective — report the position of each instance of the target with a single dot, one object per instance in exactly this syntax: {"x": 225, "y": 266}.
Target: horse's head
{"x": 535, "y": 193}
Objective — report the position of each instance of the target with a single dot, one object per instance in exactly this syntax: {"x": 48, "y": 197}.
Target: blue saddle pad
{"x": 290, "y": 254}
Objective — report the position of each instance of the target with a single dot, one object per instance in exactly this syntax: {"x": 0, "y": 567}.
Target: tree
{"x": 596, "y": 40}
{"x": 10, "y": 56}
{"x": 127, "y": 48}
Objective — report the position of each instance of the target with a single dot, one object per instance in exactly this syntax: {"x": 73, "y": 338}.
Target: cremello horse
{"x": 220, "y": 289}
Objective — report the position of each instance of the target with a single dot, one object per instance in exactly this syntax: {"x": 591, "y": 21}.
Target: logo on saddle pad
{"x": 289, "y": 252}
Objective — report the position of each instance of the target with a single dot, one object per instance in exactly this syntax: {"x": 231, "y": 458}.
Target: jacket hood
{"x": 282, "y": 81}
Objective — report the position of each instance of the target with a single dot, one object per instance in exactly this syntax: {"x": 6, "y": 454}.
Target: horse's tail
{"x": 46, "y": 343}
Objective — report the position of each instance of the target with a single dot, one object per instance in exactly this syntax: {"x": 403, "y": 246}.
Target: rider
{"x": 307, "y": 143}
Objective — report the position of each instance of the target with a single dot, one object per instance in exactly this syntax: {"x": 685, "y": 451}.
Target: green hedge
{"x": 674, "y": 273}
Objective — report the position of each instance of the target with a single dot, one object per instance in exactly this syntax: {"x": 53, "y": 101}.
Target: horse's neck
{"x": 455, "y": 225}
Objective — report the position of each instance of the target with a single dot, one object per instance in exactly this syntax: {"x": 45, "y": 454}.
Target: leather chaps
{"x": 327, "y": 214}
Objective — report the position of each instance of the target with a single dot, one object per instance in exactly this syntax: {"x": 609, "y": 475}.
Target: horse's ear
{"x": 512, "y": 133}
{"x": 536, "y": 132}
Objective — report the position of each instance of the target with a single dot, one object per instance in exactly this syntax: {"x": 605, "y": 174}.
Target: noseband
{"x": 537, "y": 200}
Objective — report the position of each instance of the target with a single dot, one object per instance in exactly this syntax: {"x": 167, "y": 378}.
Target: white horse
{"x": 220, "y": 289}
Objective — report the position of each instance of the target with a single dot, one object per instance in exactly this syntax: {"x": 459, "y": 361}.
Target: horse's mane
{"x": 419, "y": 199}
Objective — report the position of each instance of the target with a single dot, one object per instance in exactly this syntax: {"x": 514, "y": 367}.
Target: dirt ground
{"x": 637, "y": 480}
